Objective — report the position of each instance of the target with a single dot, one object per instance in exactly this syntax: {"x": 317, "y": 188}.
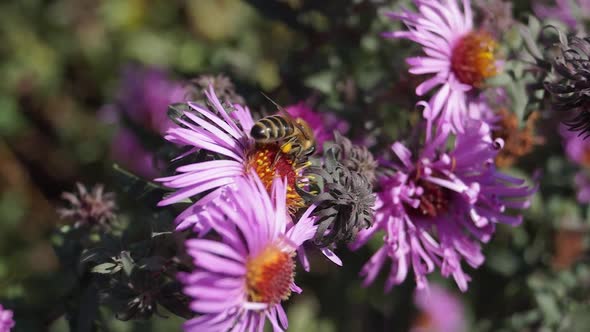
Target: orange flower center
{"x": 473, "y": 58}
{"x": 270, "y": 275}
{"x": 267, "y": 165}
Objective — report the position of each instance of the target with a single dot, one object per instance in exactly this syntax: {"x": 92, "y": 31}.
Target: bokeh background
{"x": 62, "y": 61}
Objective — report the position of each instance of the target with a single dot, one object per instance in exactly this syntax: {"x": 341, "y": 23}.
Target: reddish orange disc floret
{"x": 266, "y": 164}
{"x": 473, "y": 58}
{"x": 270, "y": 275}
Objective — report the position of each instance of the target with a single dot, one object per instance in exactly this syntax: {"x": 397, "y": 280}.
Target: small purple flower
{"x": 566, "y": 11}
{"x": 440, "y": 311}
{"x": 226, "y": 135}
{"x": 240, "y": 281}
{"x": 322, "y": 124}
{"x": 582, "y": 182}
{"x": 6, "y": 321}
{"x": 129, "y": 152}
{"x": 438, "y": 206}
{"x": 459, "y": 57}
{"x": 576, "y": 147}
{"x": 145, "y": 94}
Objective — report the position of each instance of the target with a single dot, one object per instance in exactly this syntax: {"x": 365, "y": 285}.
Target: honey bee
{"x": 295, "y": 134}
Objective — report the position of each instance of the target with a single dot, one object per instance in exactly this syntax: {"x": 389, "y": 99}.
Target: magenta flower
{"x": 439, "y": 205}
{"x": 6, "y": 321}
{"x": 145, "y": 94}
{"x": 576, "y": 147}
{"x": 240, "y": 282}
{"x": 582, "y": 182}
{"x": 459, "y": 56}
{"x": 226, "y": 135}
{"x": 322, "y": 124}
{"x": 130, "y": 153}
{"x": 566, "y": 11}
{"x": 440, "y": 311}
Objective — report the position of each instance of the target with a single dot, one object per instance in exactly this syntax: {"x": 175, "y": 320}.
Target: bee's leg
{"x": 301, "y": 166}
{"x": 287, "y": 146}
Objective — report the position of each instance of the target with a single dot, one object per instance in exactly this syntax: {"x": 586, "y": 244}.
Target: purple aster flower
{"x": 459, "y": 56}
{"x": 322, "y": 124}
{"x": 145, "y": 94}
{"x": 240, "y": 282}
{"x": 129, "y": 152}
{"x": 440, "y": 311}
{"x": 440, "y": 204}
{"x": 566, "y": 11}
{"x": 227, "y": 136}
{"x": 6, "y": 321}
{"x": 576, "y": 147}
{"x": 582, "y": 182}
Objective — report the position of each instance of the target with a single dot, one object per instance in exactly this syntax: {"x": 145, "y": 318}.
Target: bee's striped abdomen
{"x": 271, "y": 129}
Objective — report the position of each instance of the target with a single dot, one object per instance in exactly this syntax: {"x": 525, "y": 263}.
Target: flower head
{"x": 440, "y": 311}
{"x": 439, "y": 204}
{"x": 144, "y": 97}
{"x": 128, "y": 151}
{"x": 322, "y": 124}
{"x": 570, "y": 88}
{"x": 346, "y": 202}
{"x": 582, "y": 183}
{"x": 345, "y": 199}
{"x": 459, "y": 56}
{"x": 357, "y": 158}
{"x": 6, "y": 321}
{"x": 577, "y": 149}
{"x": 242, "y": 280}
{"x": 566, "y": 11}
{"x": 89, "y": 208}
{"x": 231, "y": 154}
{"x": 222, "y": 85}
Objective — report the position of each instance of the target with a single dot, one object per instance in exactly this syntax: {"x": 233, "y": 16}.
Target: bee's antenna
{"x": 272, "y": 101}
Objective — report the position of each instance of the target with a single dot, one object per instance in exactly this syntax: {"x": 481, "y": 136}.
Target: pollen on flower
{"x": 270, "y": 275}
{"x": 473, "y": 58}
{"x": 267, "y": 165}
{"x": 434, "y": 199}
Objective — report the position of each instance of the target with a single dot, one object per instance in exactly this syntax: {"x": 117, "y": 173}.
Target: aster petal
{"x": 217, "y": 264}
{"x": 427, "y": 85}
{"x": 215, "y": 306}
{"x": 232, "y": 130}
{"x": 194, "y": 190}
{"x": 216, "y": 322}
{"x": 373, "y": 266}
{"x": 331, "y": 256}
{"x": 216, "y": 248}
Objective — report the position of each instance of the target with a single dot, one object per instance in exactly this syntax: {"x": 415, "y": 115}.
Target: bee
{"x": 295, "y": 134}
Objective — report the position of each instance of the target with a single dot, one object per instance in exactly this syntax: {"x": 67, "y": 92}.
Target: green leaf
{"x": 104, "y": 268}
{"x": 127, "y": 262}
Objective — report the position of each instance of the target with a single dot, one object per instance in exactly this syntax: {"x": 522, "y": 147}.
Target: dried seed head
{"x": 345, "y": 204}
{"x": 89, "y": 208}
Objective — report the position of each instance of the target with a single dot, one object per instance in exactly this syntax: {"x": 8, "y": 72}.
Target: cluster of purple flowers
{"x": 247, "y": 196}
{"x": 437, "y": 198}
{"x": 442, "y": 200}
{"x": 141, "y": 103}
